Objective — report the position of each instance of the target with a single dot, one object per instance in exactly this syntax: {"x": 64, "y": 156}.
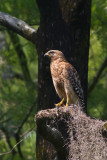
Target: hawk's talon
{"x": 63, "y": 107}
{"x": 57, "y": 105}
{"x": 60, "y": 103}
{"x": 66, "y": 105}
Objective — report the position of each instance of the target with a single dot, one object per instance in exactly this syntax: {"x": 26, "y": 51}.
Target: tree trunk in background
{"x": 22, "y": 59}
{"x": 64, "y": 25}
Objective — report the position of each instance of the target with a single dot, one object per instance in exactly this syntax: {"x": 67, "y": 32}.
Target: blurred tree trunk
{"x": 22, "y": 59}
{"x": 64, "y": 25}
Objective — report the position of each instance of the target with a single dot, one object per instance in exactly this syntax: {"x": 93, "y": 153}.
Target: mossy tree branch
{"x": 82, "y": 133}
{"x": 52, "y": 134}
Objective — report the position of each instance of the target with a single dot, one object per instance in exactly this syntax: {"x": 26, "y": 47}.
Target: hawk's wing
{"x": 76, "y": 84}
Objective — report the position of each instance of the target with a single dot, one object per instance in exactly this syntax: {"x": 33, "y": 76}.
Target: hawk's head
{"x": 54, "y": 54}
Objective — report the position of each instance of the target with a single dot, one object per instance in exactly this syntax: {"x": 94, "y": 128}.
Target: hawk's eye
{"x": 51, "y": 52}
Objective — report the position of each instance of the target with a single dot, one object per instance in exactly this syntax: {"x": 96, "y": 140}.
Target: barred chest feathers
{"x": 58, "y": 81}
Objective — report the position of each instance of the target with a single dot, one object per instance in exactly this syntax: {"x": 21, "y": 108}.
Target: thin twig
{"x": 25, "y": 118}
{"x": 25, "y": 135}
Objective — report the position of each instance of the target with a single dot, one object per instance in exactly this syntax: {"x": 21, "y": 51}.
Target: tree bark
{"x": 64, "y": 25}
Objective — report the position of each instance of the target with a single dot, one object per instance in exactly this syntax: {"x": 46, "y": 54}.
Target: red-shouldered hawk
{"x": 65, "y": 79}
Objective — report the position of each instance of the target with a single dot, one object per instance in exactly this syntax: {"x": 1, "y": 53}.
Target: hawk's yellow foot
{"x": 60, "y": 103}
{"x": 65, "y": 106}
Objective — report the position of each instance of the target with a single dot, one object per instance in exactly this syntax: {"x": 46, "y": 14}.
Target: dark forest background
{"x": 19, "y": 66}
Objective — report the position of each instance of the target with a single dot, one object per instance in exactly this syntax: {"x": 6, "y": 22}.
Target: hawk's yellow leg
{"x": 60, "y": 103}
{"x": 67, "y": 103}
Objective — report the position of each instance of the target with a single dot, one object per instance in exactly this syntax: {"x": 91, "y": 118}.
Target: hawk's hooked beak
{"x": 46, "y": 54}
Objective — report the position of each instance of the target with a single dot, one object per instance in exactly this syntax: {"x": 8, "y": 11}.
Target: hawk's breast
{"x": 57, "y": 77}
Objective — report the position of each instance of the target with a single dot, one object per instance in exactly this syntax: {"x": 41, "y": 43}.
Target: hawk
{"x": 65, "y": 79}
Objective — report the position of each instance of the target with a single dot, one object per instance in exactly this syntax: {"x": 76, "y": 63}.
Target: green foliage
{"x": 16, "y": 98}
{"x": 29, "y": 143}
{"x": 26, "y": 10}
{"x": 97, "y": 99}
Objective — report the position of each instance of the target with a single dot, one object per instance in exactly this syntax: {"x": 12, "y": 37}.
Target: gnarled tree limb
{"x": 18, "y": 26}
